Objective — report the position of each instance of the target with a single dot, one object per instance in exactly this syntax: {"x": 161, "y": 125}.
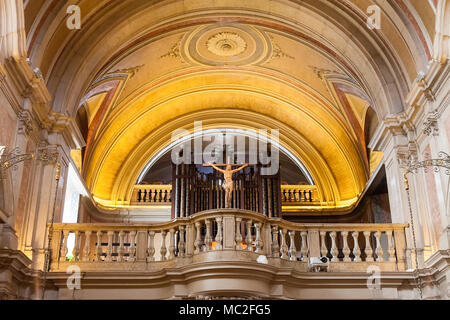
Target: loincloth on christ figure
{"x": 227, "y": 185}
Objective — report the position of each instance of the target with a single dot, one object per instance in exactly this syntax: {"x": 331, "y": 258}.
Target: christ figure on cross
{"x": 228, "y": 175}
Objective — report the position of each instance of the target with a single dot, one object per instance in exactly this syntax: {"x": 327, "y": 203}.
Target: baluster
{"x": 356, "y": 250}
{"x": 248, "y": 238}
{"x": 292, "y": 248}
{"x": 378, "y": 248}
{"x": 160, "y": 195}
{"x": 208, "y": 237}
{"x": 87, "y": 246}
{"x": 171, "y": 244}
{"x": 165, "y": 195}
{"x": 284, "y": 195}
{"x": 304, "y": 196}
{"x": 155, "y": 194}
{"x": 76, "y": 247}
{"x": 289, "y": 195}
{"x": 310, "y": 195}
{"x": 391, "y": 249}
{"x": 132, "y": 250}
{"x": 120, "y": 251}
{"x": 181, "y": 242}
{"x": 275, "y": 245}
{"x": 145, "y": 196}
{"x": 334, "y": 250}
{"x": 219, "y": 236}
{"x": 258, "y": 241}
{"x": 304, "y": 249}
{"x": 64, "y": 249}
{"x": 109, "y": 248}
{"x": 163, "y": 250}
{"x": 323, "y": 245}
{"x": 238, "y": 236}
{"x": 346, "y": 249}
{"x": 98, "y": 251}
{"x": 151, "y": 247}
{"x": 197, "y": 241}
{"x": 368, "y": 250}
{"x": 284, "y": 247}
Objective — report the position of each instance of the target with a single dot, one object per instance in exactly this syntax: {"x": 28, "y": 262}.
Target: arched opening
{"x": 292, "y": 170}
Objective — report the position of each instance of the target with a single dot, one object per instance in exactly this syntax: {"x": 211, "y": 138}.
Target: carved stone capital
{"x": 26, "y": 122}
{"x": 47, "y": 154}
{"x": 431, "y": 124}
{"x": 406, "y": 155}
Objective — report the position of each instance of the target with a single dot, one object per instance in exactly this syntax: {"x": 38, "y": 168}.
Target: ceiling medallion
{"x": 226, "y": 44}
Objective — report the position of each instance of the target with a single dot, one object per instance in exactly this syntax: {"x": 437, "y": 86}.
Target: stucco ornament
{"x": 226, "y": 44}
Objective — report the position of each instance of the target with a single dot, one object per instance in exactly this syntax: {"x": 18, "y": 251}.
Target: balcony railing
{"x": 228, "y": 235}
{"x": 151, "y": 195}
{"x": 298, "y": 194}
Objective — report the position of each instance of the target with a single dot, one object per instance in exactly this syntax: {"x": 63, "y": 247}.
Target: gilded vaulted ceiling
{"x": 137, "y": 70}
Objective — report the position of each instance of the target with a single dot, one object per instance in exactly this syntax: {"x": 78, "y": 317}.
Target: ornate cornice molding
{"x": 399, "y": 124}
{"x": 428, "y": 85}
{"x": 29, "y": 82}
{"x": 67, "y": 126}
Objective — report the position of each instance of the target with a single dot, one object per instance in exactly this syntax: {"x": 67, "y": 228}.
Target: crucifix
{"x": 228, "y": 175}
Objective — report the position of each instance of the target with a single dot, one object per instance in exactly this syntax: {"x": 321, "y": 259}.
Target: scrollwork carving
{"x": 431, "y": 124}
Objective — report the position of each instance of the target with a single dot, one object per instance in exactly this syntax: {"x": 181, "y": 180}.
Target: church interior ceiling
{"x": 311, "y": 69}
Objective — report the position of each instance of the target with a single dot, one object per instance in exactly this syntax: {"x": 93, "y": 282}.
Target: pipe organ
{"x": 194, "y": 190}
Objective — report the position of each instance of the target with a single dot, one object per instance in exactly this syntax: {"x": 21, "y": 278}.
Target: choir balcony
{"x": 228, "y": 234}
{"x": 227, "y": 252}
{"x": 225, "y": 244}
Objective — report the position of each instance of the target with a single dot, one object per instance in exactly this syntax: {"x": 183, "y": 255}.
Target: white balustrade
{"x": 216, "y": 233}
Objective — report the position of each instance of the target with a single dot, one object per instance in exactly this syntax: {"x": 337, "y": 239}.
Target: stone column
{"x": 398, "y": 151}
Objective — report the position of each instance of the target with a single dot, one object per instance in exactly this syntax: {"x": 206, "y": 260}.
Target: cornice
{"x": 27, "y": 81}
{"x": 22, "y": 80}
{"x": 417, "y": 120}
{"x": 59, "y": 123}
